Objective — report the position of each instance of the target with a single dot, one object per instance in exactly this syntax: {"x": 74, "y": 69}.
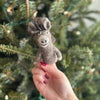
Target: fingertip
{"x": 44, "y": 82}
{"x": 33, "y": 70}
{"x": 44, "y": 68}
{"x": 51, "y": 68}
{"x": 43, "y": 64}
{"x": 47, "y": 76}
{"x": 37, "y": 64}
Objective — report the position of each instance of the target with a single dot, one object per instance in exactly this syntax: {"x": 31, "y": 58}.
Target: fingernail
{"x": 44, "y": 82}
{"x": 47, "y": 76}
{"x": 42, "y": 63}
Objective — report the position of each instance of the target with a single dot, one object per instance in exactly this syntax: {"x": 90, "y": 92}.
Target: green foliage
{"x": 78, "y": 56}
{"x": 9, "y": 49}
{"x": 80, "y": 46}
{"x": 56, "y": 8}
{"x": 94, "y": 30}
{"x": 5, "y": 62}
{"x": 1, "y": 32}
{"x": 22, "y": 10}
{"x": 16, "y": 96}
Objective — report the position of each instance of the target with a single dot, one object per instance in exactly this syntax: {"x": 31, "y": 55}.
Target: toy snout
{"x": 43, "y": 41}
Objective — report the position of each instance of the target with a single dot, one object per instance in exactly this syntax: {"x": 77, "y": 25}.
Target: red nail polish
{"x": 47, "y": 76}
{"x": 44, "y": 82}
{"x": 42, "y": 63}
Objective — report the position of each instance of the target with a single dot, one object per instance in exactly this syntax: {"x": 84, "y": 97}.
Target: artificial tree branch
{"x": 23, "y": 65}
{"x": 14, "y": 51}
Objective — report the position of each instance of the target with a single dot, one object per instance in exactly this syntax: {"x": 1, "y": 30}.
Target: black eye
{"x": 47, "y": 32}
{"x": 39, "y": 33}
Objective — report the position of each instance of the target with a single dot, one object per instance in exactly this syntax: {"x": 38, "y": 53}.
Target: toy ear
{"x": 53, "y": 38}
{"x": 31, "y": 28}
{"x": 46, "y": 23}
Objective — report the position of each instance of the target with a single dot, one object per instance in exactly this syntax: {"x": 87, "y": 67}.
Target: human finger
{"x": 37, "y": 70}
{"x": 39, "y": 82}
{"x": 51, "y": 69}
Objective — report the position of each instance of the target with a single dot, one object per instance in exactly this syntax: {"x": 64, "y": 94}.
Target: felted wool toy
{"x": 40, "y": 29}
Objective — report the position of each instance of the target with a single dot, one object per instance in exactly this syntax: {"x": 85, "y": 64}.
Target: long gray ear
{"x": 53, "y": 38}
{"x": 31, "y": 28}
{"x": 46, "y": 23}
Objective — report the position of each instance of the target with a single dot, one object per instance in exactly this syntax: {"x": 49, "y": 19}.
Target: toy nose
{"x": 43, "y": 41}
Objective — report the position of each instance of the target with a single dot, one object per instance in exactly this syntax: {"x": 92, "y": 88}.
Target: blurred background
{"x": 95, "y": 6}
{"x": 76, "y": 24}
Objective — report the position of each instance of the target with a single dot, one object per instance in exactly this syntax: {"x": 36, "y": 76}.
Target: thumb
{"x": 51, "y": 69}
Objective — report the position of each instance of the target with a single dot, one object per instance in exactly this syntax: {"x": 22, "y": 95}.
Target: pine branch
{"x": 5, "y": 62}
{"x": 9, "y": 49}
{"x": 92, "y": 11}
{"x": 25, "y": 10}
{"x": 25, "y": 67}
{"x": 11, "y": 78}
{"x": 89, "y": 36}
{"x": 56, "y": 8}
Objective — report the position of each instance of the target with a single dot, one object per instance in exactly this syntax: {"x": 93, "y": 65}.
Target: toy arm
{"x": 38, "y": 56}
{"x": 58, "y": 53}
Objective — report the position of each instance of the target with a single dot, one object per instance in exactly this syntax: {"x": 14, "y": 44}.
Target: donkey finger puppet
{"x": 40, "y": 29}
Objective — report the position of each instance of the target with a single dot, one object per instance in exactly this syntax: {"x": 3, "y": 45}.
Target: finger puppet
{"x": 40, "y": 30}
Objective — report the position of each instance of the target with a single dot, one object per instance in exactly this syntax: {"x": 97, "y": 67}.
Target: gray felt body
{"x": 40, "y": 29}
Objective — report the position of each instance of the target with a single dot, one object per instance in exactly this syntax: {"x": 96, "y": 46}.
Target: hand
{"x": 52, "y": 83}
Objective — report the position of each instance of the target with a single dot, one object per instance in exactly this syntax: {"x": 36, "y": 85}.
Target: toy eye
{"x": 47, "y": 32}
{"x": 39, "y": 33}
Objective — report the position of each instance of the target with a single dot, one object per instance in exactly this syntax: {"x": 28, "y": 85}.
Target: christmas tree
{"x": 79, "y": 44}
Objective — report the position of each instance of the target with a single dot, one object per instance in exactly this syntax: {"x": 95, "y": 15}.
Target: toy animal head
{"x": 40, "y": 29}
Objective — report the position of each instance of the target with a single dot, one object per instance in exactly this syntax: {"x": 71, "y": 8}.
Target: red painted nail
{"x": 44, "y": 82}
{"x": 47, "y": 76}
{"x": 42, "y": 63}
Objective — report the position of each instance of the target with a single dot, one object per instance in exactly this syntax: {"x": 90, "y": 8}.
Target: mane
{"x": 38, "y": 24}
